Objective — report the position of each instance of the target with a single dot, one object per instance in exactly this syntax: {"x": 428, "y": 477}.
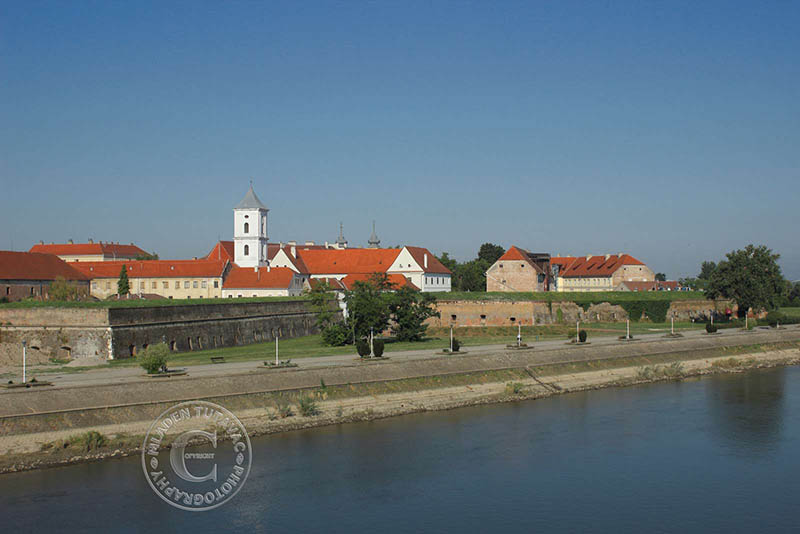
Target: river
{"x": 720, "y": 454}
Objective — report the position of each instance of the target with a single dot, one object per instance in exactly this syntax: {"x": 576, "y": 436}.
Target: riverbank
{"x": 266, "y": 412}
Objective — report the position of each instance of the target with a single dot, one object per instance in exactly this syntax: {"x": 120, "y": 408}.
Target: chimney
{"x": 425, "y": 260}
{"x": 589, "y": 257}
{"x": 310, "y": 243}
{"x": 41, "y": 242}
{"x": 268, "y": 267}
{"x": 608, "y": 256}
{"x": 91, "y": 240}
{"x": 70, "y": 241}
{"x": 326, "y": 244}
{"x": 293, "y": 249}
{"x": 619, "y": 254}
{"x": 293, "y": 243}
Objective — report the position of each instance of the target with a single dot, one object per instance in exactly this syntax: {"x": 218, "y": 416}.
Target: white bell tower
{"x": 250, "y": 231}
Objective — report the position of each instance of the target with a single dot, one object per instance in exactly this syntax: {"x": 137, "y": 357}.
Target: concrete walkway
{"x": 110, "y": 375}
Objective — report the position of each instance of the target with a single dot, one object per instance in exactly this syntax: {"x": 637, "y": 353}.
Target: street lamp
{"x": 24, "y": 357}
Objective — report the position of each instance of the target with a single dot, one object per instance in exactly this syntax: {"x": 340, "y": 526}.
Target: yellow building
{"x": 174, "y": 279}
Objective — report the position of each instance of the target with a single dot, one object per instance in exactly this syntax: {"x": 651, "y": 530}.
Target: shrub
{"x": 308, "y": 406}
{"x": 363, "y": 348}
{"x": 456, "y": 345}
{"x": 711, "y": 328}
{"x": 89, "y": 441}
{"x": 282, "y": 410}
{"x": 154, "y": 358}
{"x": 582, "y": 336}
{"x": 514, "y": 388}
{"x": 335, "y": 335}
{"x": 774, "y": 318}
{"x": 377, "y": 348}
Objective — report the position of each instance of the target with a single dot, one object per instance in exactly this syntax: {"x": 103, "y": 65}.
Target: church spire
{"x": 341, "y": 242}
{"x": 374, "y": 242}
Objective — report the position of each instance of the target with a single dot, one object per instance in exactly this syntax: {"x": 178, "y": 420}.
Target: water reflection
{"x": 746, "y": 411}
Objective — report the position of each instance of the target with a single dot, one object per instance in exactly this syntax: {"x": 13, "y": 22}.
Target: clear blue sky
{"x": 670, "y": 130}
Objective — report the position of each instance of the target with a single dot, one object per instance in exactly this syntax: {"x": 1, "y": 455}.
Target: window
{"x": 186, "y": 284}
{"x": 165, "y": 285}
{"x": 204, "y": 284}
{"x": 194, "y": 284}
{"x": 141, "y": 285}
{"x": 501, "y": 265}
{"x": 177, "y": 284}
{"x": 246, "y": 229}
{"x": 154, "y": 285}
{"x": 108, "y": 285}
{"x": 247, "y": 250}
{"x": 216, "y": 283}
{"x": 94, "y": 286}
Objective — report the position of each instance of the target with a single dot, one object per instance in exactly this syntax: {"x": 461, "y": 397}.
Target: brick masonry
{"x": 506, "y": 313}
{"x": 76, "y": 333}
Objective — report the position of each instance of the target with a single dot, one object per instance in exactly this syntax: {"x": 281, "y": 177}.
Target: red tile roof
{"x": 434, "y": 265}
{"x": 250, "y": 278}
{"x": 153, "y": 268}
{"x": 35, "y": 266}
{"x": 87, "y": 249}
{"x": 594, "y": 266}
{"x": 348, "y": 261}
{"x": 334, "y": 283}
{"x": 514, "y": 254}
{"x": 395, "y": 280}
{"x": 221, "y": 251}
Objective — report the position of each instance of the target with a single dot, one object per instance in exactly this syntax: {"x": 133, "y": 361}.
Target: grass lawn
{"x": 791, "y": 312}
{"x": 139, "y": 303}
{"x": 438, "y": 338}
{"x": 577, "y": 297}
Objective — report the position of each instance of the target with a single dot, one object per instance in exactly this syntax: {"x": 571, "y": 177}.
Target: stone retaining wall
{"x": 84, "y": 406}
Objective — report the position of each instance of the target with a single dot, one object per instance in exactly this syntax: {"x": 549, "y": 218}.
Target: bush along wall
{"x": 656, "y": 310}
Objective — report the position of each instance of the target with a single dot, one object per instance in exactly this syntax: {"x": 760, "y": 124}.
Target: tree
{"x": 368, "y": 306}
{"x": 409, "y": 309}
{"x": 62, "y": 290}
{"x": 448, "y": 262}
{"x": 321, "y": 299}
{"x": 490, "y": 253}
{"x": 706, "y": 270}
{"x": 661, "y": 277}
{"x": 123, "y": 287}
{"x": 147, "y": 256}
{"x": 750, "y": 277}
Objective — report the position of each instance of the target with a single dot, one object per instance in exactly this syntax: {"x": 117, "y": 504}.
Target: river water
{"x": 720, "y": 454}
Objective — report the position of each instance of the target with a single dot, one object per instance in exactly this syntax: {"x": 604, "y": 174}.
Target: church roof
{"x": 250, "y": 201}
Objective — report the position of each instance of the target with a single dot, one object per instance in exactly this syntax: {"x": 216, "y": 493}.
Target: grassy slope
{"x": 311, "y": 346}
{"x": 599, "y": 296}
{"x": 791, "y": 312}
{"x": 140, "y": 303}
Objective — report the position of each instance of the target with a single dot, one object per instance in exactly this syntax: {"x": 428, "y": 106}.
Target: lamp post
{"x": 672, "y": 321}
{"x": 577, "y": 331}
{"x": 451, "y": 338}
{"x": 24, "y": 358}
{"x": 519, "y": 335}
{"x": 277, "y": 362}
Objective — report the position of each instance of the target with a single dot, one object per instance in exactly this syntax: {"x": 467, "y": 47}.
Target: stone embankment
{"x": 31, "y": 419}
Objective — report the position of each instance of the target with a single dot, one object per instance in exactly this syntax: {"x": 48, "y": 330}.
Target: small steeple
{"x": 341, "y": 242}
{"x": 374, "y": 242}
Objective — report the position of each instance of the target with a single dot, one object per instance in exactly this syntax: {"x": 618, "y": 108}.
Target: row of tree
{"x": 373, "y": 306}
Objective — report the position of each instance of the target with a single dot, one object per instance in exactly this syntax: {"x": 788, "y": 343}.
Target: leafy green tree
{"x": 123, "y": 287}
{"x": 793, "y": 294}
{"x": 448, "y": 262}
{"x": 750, "y": 277}
{"x": 409, "y": 309}
{"x": 147, "y": 256}
{"x": 706, "y": 270}
{"x": 154, "y": 358}
{"x": 368, "y": 306}
{"x": 661, "y": 277}
{"x": 61, "y": 290}
{"x": 490, "y": 253}
{"x": 321, "y": 303}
